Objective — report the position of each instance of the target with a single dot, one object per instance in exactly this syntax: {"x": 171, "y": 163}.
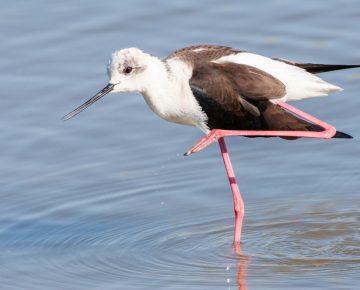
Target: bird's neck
{"x": 168, "y": 92}
{"x": 166, "y": 83}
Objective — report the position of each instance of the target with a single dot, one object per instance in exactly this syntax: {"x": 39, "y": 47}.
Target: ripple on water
{"x": 140, "y": 246}
{"x": 306, "y": 236}
{"x": 158, "y": 247}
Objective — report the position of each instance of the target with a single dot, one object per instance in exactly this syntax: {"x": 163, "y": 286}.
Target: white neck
{"x": 168, "y": 93}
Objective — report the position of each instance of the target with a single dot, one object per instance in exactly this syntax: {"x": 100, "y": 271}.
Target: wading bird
{"x": 224, "y": 92}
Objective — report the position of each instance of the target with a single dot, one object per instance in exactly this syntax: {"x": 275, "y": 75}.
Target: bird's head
{"x": 128, "y": 71}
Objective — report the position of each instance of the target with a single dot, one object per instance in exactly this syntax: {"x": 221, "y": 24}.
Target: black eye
{"x": 127, "y": 70}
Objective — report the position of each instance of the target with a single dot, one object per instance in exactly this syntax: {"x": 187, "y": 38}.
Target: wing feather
{"x": 234, "y": 85}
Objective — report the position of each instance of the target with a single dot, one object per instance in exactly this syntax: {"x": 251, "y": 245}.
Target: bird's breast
{"x": 177, "y": 108}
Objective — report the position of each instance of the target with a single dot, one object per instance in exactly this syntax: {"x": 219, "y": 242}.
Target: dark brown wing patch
{"x": 236, "y": 97}
{"x": 234, "y": 85}
{"x": 249, "y": 107}
{"x": 202, "y": 53}
{"x": 251, "y": 82}
{"x": 220, "y": 116}
{"x": 271, "y": 116}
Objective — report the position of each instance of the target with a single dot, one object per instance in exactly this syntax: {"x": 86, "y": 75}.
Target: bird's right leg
{"x": 238, "y": 201}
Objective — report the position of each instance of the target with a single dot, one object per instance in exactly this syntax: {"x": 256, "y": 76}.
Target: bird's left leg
{"x": 328, "y": 132}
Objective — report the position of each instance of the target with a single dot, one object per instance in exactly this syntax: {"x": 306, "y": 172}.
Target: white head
{"x": 129, "y": 70}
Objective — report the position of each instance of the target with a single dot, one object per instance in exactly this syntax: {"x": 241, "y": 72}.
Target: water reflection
{"x": 243, "y": 261}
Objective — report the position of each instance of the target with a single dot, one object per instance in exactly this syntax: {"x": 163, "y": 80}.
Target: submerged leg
{"x": 328, "y": 132}
{"x": 238, "y": 202}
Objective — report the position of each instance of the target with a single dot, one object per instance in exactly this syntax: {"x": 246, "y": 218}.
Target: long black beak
{"x": 95, "y": 98}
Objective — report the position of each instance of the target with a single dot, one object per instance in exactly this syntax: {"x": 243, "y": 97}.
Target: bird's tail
{"x": 320, "y": 68}
{"x": 339, "y": 134}
{"x": 317, "y": 67}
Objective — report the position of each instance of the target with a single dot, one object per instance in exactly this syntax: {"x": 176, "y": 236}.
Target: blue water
{"x": 107, "y": 201}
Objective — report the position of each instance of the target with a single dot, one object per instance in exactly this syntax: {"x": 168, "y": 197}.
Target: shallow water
{"x": 107, "y": 201}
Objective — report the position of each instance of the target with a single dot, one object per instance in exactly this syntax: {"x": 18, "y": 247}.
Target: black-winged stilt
{"x": 224, "y": 92}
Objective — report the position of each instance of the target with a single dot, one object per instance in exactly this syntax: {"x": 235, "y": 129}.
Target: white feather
{"x": 299, "y": 83}
{"x": 199, "y": 49}
{"x": 163, "y": 84}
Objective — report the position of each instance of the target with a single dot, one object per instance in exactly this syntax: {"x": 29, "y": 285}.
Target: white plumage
{"x": 299, "y": 83}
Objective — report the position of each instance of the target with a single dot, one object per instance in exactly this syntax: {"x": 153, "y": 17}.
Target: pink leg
{"x": 328, "y": 132}
{"x": 238, "y": 202}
